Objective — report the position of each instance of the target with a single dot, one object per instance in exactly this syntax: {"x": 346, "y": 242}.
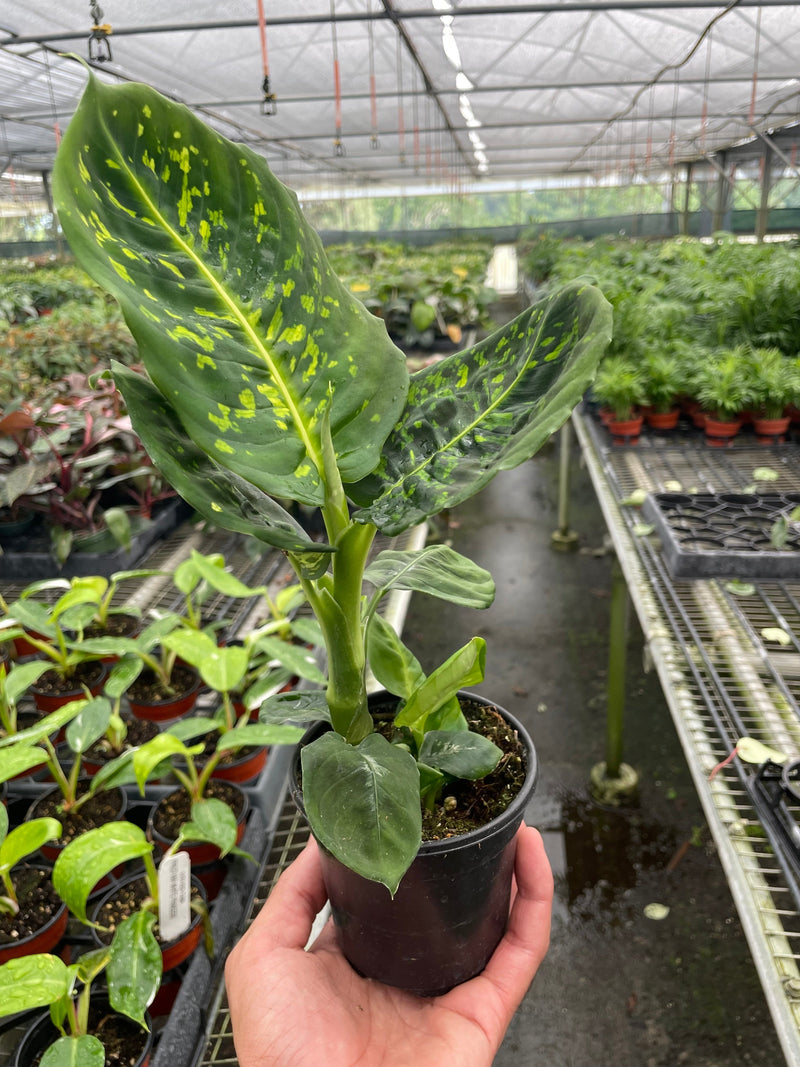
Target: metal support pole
{"x": 613, "y": 781}
{"x": 564, "y": 539}
{"x": 617, "y": 649}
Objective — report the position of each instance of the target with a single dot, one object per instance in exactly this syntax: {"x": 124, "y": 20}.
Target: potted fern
{"x": 267, "y": 379}
{"x": 620, "y": 387}
{"x": 775, "y": 384}
{"x": 722, "y": 384}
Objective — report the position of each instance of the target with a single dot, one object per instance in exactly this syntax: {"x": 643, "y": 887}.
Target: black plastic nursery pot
{"x": 451, "y": 908}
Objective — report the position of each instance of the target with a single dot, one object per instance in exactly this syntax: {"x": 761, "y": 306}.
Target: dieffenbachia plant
{"x": 267, "y": 379}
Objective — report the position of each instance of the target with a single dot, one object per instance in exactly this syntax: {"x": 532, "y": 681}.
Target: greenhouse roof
{"x": 414, "y": 92}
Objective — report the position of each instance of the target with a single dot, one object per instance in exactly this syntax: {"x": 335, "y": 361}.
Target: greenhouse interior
{"x": 399, "y": 533}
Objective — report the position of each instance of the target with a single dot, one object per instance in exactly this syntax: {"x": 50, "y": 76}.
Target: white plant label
{"x": 174, "y": 885}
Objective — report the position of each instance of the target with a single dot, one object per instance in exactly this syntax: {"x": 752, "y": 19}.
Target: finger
{"x": 286, "y": 918}
{"x": 524, "y": 945}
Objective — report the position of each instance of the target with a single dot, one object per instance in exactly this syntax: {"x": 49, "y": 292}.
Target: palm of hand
{"x": 292, "y": 1008}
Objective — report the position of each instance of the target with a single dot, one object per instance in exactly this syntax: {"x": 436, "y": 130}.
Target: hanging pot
{"x": 173, "y": 952}
{"x": 49, "y": 696}
{"x": 41, "y": 1033}
{"x": 167, "y": 708}
{"x": 451, "y": 908}
{"x": 771, "y": 431}
{"x": 29, "y": 879}
{"x": 720, "y": 434}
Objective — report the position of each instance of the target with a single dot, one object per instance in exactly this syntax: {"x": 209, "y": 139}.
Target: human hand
{"x": 292, "y": 1008}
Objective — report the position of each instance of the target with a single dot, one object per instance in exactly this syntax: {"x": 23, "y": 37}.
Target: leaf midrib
{"x": 222, "y": 292}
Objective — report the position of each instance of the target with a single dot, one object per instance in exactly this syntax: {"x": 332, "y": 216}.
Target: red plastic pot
{"x": 93, "y": 680}
{"x": 171, "y": 708}
{"x": 200, "y": 854}
{"x": 173, "y": 952}
{"x": 625, "y": 431}
{"x": 662, "y": 420}
{"x": 771, "y": 431}
{"x": 45, "y": 939}
{"x": 244, "y": 768}
{"x": 451, "y": 908}
{"x": 719, "y": 434}
{"x": 52, "y": 850}
{"x": 41, "y": 1033}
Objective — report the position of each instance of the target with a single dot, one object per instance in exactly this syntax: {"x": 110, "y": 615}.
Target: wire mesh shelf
{"x": 728, "y": 658}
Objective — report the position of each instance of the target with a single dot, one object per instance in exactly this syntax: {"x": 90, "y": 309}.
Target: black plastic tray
{"x": 35, "y": 561}
{"x": 725, "y": 535}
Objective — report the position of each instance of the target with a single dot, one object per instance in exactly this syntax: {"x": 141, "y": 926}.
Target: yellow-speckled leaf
{"x": 240, "y": 322}
{"x": 487, "y": 409}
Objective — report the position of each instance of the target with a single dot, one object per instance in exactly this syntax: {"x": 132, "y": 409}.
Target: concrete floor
{"x": 617, "y": 989}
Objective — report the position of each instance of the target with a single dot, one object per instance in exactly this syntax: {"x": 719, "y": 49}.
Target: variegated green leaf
{"x": 486, "y": 409}
{"x": 436, "y": 570}
{"x": 240, "y": 321}
{"x": 219, "y": 495}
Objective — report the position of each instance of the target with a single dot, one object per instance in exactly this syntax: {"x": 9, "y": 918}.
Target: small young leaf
{"x": 765, "y": 474}
{"x": 635, "y": 500}
{"x": 740, "y": 588}
{"x": 89, "y": 725}
{"x": 779, "y": 533}
{"x": 134, "y": 971}
{"x": 213, "y": 821}
{"x": 86, "y": 1050}
{"x": 393, "y": 665}
{"x": 752, "y": 751}
{"x": 25, "y": 839}
{"x": 32, "y": 982}
{"x": 300, "y": 661}
{"x": 258, "y": 733}
{"x": 301, "y": 706}
{"x": 775, "y": 633}
{"x": 437, "y": 571}
{"x": 643, "y": 529}
{"x": 460, "y": 753}
{"x": 91, "y": 856}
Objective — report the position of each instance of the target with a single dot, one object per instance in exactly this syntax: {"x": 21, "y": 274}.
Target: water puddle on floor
{"x": 599, "y": 853}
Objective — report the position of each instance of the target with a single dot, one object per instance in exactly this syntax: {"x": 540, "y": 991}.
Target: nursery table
{"x": 725, "y": 669}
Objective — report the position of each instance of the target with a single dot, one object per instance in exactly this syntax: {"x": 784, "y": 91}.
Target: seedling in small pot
{"x": 17, "y": 845}
{"x": 44, "y": 980}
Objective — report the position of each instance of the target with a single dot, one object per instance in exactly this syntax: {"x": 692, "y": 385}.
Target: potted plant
{"x": 79, "y": 1025}
{"x": 619, "y": 386}
{"x": 775, "y": 385}
{"x": 70, "y": 669}
{"x": 723, "y": 388}
{"x": 32, "y": 916}
{"x": 663, "y": 384}
{"x": 282, "y": 385}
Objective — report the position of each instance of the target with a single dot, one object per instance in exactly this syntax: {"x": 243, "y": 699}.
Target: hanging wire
{"x": 338, "y": 147}
{"x": 704, "y": 113}
{"x": 269, "y": 104}
{"x": 401, "y": 118}
{"x": 373, "y": 99}
{"x": 752, "y": 113}
{"x": 415, "y": 119}
{"x": 51, "y": 93}
{"x": 674, "y": 118}
{"x": 99, "y": 44}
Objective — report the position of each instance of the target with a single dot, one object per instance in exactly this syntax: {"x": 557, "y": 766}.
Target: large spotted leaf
{"x": 240, "y": 322}
{"x": 486, "y": 409}
{"x": 219, "y": 495}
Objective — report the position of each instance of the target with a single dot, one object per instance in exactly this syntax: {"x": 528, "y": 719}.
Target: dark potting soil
{"x": 38, "y": 903}
{"x": 138, "y": 732}
{"x": 117, "y": 625}
{"x": 147, "y": 689}
{"x": 97, "y": 811}
{"x": 126, "y": 901}
{"x": 54, "y": 684}
{"x": 123, "y": 1039}
{"x": 173, "y": 810}
{"x": 468, "y": 805}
